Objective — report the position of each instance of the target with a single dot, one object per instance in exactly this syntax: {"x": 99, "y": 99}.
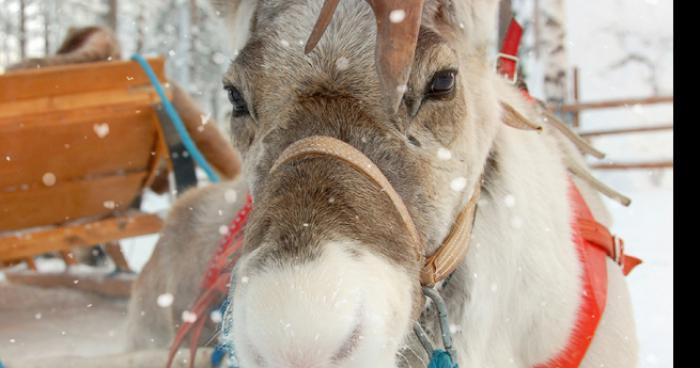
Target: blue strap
{"x": 218, "y": 356}
{"x": 177, "y": 121}
{"x": 441, "y": 359}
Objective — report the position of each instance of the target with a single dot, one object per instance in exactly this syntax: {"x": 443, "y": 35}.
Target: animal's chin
{"x": 338, "y": 310}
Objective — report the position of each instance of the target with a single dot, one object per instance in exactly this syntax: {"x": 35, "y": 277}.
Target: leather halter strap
{"x": 599, "y": 235}
{"x": 450, "y": 253}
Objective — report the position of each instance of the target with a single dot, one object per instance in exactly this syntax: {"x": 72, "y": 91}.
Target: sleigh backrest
{"x": 76, "y": 141}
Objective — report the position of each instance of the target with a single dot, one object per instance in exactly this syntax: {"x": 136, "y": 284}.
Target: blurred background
{"x": 613, "y": 83}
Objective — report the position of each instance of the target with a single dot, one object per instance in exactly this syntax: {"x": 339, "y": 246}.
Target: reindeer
{"x": 329, "y": 275}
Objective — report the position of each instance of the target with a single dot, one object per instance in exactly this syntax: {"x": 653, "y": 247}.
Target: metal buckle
{"x": 618, "y": 249}
{"x": 515, "y": 59}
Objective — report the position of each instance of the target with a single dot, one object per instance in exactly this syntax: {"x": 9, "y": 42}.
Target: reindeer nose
{"x": 298, "y": 315}
{"x": 332, "y": 311}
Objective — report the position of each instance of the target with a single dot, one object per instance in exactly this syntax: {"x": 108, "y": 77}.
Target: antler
{"x": 398, "y": 23}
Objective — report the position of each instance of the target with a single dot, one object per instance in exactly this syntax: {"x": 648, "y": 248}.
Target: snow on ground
{"x": 41, "y": 323}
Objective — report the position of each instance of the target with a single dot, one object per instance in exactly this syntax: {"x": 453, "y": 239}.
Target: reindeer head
{"x": 329, "y": 276}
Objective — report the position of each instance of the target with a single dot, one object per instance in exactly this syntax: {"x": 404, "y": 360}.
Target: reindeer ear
{"x": 513, "y": 118}
{"x": 238, "y": 17}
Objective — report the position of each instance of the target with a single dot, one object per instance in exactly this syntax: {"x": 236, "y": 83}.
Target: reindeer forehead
{"x": 284, "y": 27}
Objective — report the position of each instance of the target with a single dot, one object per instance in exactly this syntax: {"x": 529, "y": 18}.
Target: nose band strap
{"x": 450, "y": 253}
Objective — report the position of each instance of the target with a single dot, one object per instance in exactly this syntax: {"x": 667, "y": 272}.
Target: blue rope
{"x": 177, "y": 121}
{"x": 441, "y": 359}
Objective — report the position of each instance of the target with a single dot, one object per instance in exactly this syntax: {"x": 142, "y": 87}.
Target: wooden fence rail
{"x": 580, "y": 106}
{"x": 643, "y": 129}
{"x": 634, "y": 165}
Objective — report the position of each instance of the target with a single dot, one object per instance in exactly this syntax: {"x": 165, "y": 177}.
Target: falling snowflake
{"x": 244, "y": 280}
{"x": 230, "y": 196}
{"x": 165, "y": 300}
{"x": 458, "y": 184}
{"x": 342, "y": 63}
{"x": 216, "y": 316}
{"x": 397, "y": 16}
{"x": 223, "y": 229}
{"x": 205, "y": 118}
{"x": 218, "y": 58}
{"x": 49, "y": 179}
{"x": 188, "y": 316}
{"x": 101, "y": 130}
{"x": 444, "y": 154}
{"x": 509, "y": 201}
{"x": 110, "y": 205}
{"x": 402, "y": 88}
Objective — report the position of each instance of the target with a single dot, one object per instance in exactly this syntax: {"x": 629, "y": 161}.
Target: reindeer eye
{"x": 442, "y": 84}
{"x": 240, "y": 107}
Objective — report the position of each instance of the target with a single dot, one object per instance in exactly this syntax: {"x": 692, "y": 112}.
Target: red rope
{"x": 215, "y": 283}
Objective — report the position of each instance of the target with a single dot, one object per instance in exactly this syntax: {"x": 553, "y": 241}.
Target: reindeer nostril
{"x": 349, "y": 346}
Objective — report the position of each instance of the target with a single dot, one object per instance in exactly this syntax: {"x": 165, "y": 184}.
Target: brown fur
{"x": 81, "y": 45}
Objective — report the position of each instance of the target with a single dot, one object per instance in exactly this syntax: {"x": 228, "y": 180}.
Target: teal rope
{"x": 441, "y": 359}
{"x": 177, "y": 121}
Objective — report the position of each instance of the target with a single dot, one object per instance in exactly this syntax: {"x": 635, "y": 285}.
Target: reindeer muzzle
{"x": 451, "y": 252}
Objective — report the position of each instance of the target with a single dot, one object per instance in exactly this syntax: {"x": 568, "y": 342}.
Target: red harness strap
{"x": 594, "y": 244}
{"x": 593, "y": 241}
{"x": 508, "y": 57}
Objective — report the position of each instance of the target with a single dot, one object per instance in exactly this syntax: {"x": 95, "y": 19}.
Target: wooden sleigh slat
{"x": 39, "y": 206}
{"x": 75, "y": 79}
{"x": 37, "y": 110}
{"x": 130, "y": 224}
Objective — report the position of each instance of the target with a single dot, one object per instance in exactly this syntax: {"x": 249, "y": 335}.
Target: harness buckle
{"x": 514, "y": 79}
{"x": 618, "y": 250}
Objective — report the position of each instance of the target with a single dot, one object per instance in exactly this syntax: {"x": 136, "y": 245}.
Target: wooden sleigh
{"x": 78, "y": 145}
